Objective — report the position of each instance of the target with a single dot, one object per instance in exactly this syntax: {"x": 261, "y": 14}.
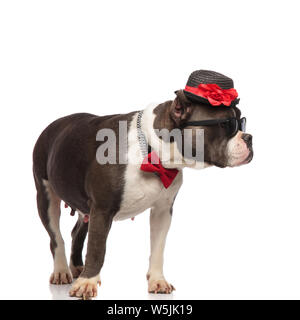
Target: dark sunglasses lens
{"x": 232, "y": 127}
{"x": 243, "y": 124}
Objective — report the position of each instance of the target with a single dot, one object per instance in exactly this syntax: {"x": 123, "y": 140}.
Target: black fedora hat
{"x": 210, "y": 87}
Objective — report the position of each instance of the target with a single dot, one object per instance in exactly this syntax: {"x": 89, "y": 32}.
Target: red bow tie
{"x": 152, "y": 163}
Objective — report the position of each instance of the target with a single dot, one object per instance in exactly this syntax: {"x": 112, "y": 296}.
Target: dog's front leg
{"x": 99, "y": 225}
{"x": 160, "y": 220}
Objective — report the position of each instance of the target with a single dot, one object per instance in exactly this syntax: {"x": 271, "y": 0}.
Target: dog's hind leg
{"x": 49, "y": 211}
{"x": 79, "y": 233}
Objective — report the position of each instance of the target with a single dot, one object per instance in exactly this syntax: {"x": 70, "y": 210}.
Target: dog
{"x": 66, "y": 169}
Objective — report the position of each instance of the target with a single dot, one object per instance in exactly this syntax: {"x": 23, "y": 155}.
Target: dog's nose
{"x": 248, "y": 139}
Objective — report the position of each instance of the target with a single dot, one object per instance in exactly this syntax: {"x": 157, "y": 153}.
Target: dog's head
{"x": 224, "y": 143}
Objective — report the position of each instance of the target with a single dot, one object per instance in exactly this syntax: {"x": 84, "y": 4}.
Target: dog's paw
{"x": 61, "y": 277}
{"x": 76, "y": 271}
{"x": 85, "y": 287}
{"x": 160, "y": 286}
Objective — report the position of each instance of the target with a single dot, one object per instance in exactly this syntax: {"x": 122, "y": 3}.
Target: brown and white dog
{"x": 65, "y": 169}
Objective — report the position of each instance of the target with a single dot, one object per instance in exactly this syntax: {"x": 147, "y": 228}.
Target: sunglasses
{"x": 232, "y": 125}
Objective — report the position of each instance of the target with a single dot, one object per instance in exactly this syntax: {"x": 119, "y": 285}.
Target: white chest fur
{"x": 142, "y": 189}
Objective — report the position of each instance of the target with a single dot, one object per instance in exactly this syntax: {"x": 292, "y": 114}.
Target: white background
{"x": 235, "y": 232}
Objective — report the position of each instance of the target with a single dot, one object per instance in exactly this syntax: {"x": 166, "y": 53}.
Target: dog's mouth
{"x": 249, "y": 158}
{"x": 221, "y": 164}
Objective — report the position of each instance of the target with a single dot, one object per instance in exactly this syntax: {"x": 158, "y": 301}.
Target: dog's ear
{"x": 181, "y": 108}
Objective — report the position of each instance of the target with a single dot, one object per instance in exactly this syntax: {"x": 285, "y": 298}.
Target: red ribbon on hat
{"x": 214, "y": 94}
{"x": 152, "y": 163}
